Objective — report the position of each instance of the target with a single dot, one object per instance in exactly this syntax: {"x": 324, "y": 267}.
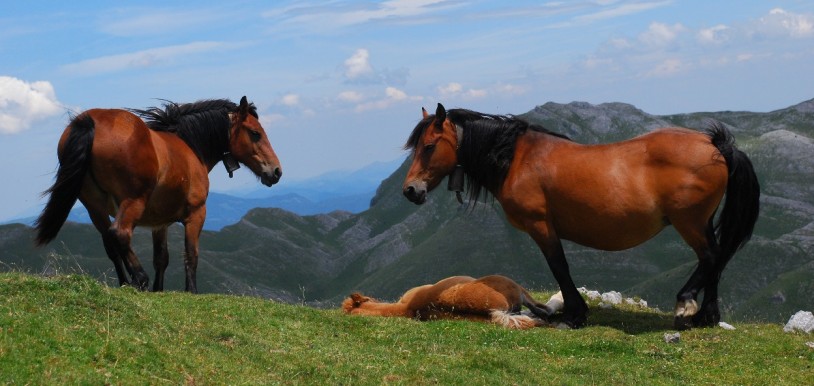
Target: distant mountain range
{"x": 349, "y": 191}
{"x": 393, "y": 245}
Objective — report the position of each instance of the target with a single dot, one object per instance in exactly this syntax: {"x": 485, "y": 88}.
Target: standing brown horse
{"x": 152, "y": 175}
{"x": 610, "y": 197}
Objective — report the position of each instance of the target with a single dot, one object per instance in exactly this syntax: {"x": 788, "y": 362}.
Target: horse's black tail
{"x": 740, "y": 212}
{"x": 73, "y": 167}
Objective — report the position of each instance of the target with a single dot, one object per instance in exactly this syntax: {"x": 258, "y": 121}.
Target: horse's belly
{"x": 612, "y": 234}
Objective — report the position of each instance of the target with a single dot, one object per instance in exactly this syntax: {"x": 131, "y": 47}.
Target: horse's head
{"x": 354, "y": 301}
{"x": 249, "y": 144}
{"x": 434, "y": 142}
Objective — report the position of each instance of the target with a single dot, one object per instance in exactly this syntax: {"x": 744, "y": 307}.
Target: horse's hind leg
{"x": 160, "y": 257}
{"x": 709, "y": 313}
{"x": 122, "y": 233}
{"x": 101, "y": 221}
{"x": 687, "y": 310}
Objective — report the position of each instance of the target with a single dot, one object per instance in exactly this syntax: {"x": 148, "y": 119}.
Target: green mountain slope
{"x": 395, "y": 245}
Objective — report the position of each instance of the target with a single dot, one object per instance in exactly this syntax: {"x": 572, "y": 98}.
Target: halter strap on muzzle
{"x": 456, "y": 178}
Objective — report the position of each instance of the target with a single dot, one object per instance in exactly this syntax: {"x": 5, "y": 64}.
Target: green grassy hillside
{"x": 71, "y": 329}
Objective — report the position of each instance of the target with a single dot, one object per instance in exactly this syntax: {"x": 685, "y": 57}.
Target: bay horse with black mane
{"x": 610, "y": 197}
{"x": 152, "y": 174}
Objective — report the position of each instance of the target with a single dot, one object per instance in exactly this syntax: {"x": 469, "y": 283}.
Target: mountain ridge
{"x": 393, "y": 245}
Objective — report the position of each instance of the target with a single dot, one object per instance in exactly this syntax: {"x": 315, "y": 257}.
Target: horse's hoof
{"x": 575, "y": 322}
{"x": 706, "y": 319}
{"x": 682, "y": 323}
{"x": 141, "y": 281}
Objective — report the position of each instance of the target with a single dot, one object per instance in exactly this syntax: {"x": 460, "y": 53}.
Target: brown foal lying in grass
{"x": 494, "y": 299}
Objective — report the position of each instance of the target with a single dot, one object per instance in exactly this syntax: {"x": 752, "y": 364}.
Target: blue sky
{"x": 340, "y": 84}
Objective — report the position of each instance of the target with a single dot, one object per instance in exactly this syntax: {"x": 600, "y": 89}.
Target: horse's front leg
{"x": 192, "y": 232}
{"x": 161, "y": 257}
{"x": 575, "y": 310}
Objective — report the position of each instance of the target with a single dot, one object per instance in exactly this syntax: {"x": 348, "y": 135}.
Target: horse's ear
{"x": 244, "y": 105}
{"x": 424, "y": 112}
{"x": 440, "y": 115}
{"x": 358, "y": 298}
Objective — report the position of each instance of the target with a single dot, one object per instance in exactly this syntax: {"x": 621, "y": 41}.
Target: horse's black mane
{"x": 487, "y": 148}
{"x": 203, "y": 125}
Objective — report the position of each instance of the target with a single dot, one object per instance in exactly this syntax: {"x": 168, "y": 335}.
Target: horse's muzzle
{"x": 416, "y": 195}
{"x": 271, "y": 178}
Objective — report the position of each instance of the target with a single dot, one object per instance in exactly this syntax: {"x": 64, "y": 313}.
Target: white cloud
{"x": 290, "y": 100}
{"x": 451, "y": 88}
{"x": 476, "y": 93}
{"x": 714, "y": 35}
{"x": 623, "y": 9}
{"x": 325, "y": 17}
{"x": 269, "y": 120}
{"x": 667, "y": 67}
{"x": 392, "y": 96}
{"x": 454, "y": 89}
{"x": 784, "y": 23}
{"x": 358, "y": 65}
{"x": 23, "y": 103}
{"x": 350, "y": 96}
{"x": 511, "y": 89}
{"x": 659, "y": 34}
{"x": 395, "y": 94}
{"x": 149, "y": 21}
{"x": 139, "y": 59}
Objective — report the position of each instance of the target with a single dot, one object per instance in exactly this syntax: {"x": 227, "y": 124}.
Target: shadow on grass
{"x": 631, "y": 322}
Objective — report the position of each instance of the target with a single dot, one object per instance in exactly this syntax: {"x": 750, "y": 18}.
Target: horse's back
{"x": 618, "y": 195}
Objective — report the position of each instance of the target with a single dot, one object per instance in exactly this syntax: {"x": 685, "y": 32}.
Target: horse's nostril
{"x": 278, "y": 172}
{"x": 410, "y": 191}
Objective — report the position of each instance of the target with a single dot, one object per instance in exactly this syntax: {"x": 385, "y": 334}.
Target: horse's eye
{"x": 255, "y": 135}
{"x": 429, "y": 147}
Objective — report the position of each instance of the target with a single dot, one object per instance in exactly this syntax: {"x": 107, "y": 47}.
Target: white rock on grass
{"x": 612, "y": 297}
{"x": 802, "y": 320}
{"x": 672, "y": 338}
{"x": 726, "y": 326}
{"x": 592, "y": 295}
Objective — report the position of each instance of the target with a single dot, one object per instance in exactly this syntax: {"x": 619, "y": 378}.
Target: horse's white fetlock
{"x": 686, "y": 308}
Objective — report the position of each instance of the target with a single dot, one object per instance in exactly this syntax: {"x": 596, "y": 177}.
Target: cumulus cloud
{"x": 454, "y": 89}
{"x": 290, "y": 100}
{"x": 714, "y": 35}
{"x": 784, "y": 23}
{"x": 451, "y": 88}
{"x": 358, "y": 70}
{"x": 270, "y": 120}
{"x": 350, "y": 96}
{"x": 23, "y": 103}
{"x": 667, "y": 67}
{"x": 392, "y": 96}
{"x": 659, "y": 34}
{"x": 358, "y": 65}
